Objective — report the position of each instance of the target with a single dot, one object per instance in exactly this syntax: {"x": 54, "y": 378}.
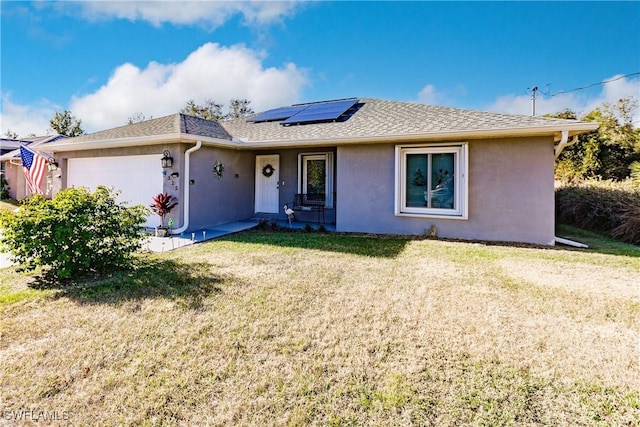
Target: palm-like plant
{"x": 162, "y": 205}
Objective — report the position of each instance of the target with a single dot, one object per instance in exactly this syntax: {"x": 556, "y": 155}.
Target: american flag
{"x": 33, "y": 166}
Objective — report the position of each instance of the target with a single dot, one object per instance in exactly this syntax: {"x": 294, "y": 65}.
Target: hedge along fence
{"x": 611, "y": 207}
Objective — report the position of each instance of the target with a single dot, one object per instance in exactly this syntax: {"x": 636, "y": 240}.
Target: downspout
{"x": 564, "y": 142}
{"x": 187, "y": 191}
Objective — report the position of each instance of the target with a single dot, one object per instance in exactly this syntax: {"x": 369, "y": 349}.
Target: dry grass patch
{"x": 308, "y": 329}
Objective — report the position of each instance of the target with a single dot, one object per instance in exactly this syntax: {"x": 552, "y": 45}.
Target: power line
{"x": 595, "y": 84}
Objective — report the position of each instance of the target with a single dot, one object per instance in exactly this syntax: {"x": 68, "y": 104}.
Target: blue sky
{"x": 108, "y": 60}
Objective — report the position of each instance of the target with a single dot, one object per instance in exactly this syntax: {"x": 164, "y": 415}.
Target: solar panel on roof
{"x": 278, "y": 114}
{"x": 321, "y": 112}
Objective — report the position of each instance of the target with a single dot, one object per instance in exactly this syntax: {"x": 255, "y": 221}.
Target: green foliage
{"x": 66, "y": 124}
{"x": 635, "y": 172}
{"x": 605, "y": 153}
{"x": 239, "y": 108}
{"x": 11, "y": 135}
{"x": 211, "y": 110}
{"x": 75, "y": 232}
{"x": 4, "y": 188}
{"x": 137, "y": 118}
{"x": 612, "y": 207}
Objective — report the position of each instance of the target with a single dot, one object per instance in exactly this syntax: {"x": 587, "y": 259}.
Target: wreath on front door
{"x": 268, "y": 170}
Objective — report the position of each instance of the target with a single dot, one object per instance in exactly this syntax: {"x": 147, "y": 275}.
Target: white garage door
{"x": 138, "y": 178}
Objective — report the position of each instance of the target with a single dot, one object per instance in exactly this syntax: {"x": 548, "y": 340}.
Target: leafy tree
{"x": 137, "y": 118}
{"x": 606, "y": 153}
{"x": 76, "y": 232}
{"x": 11, "y": 135}
{"x": 66, "y": 124}
{"x": 211, "y": 110}
{"x": 239, "y": 108}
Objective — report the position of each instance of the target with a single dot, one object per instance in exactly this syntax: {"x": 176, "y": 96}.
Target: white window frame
{"x": 461, "y": 183}
{"x": 302, "y": 173}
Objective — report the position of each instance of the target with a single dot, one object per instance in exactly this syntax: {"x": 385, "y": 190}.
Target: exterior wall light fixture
{"x": 52, "y": 165}
{"x": 167, "y": 160}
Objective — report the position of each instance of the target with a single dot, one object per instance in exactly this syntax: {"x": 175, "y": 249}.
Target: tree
{"x": 76, "y": 232}
{"x": 239, "y": 108}
{"x": 137, "y": 118}
{"x": 66, "y": 124}
{"x": 11, "y": 135}
{"x": 607, "y": 152}
{"x": 211, "y": 110}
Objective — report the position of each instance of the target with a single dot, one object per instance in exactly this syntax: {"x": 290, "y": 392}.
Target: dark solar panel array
{"x": 278, "y": 114}
{"x": 321, "y": 112}
{"x": 327, "y": 111}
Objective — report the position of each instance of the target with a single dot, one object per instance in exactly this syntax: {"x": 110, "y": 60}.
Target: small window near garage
{"x": 432, "y": 181}
{"x": 315, "y": 175}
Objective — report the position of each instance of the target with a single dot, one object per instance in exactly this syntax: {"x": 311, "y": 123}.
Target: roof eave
{"x": 554, "y": 130}
{"x": 138, "y": 141}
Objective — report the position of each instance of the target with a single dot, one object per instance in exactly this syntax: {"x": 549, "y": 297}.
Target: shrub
{"x": 162, "y": 205}
{"x": 611, "y": 207}
{"x": 75, "y": 232}
{"x": 4, "y": 188}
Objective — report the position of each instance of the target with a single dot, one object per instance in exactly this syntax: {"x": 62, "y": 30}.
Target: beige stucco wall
{"x": 511, "y": 195}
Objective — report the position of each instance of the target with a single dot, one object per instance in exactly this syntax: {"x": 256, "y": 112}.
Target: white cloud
{"x": 25, "y": 120}
{"x": 210, "y": 72}
{"x": 207, "y": 13}
{"x": 616, "y": 87}
{"x": 428, "y": 95}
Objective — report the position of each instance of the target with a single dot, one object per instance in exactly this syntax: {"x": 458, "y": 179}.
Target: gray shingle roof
{"x": 375, "y": 119}
{"x": 174, "y": 124}
{"x": 382, "y": 118}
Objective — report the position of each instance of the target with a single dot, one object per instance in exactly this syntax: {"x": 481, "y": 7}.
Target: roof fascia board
{"x": 138, "y": 141}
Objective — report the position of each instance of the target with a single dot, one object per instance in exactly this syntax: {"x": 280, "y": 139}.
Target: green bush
{"x": 611, "y": 207}
{"x": 77, "y": 232}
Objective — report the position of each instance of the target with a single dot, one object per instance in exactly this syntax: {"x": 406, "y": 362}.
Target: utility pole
{"x": 534, "y": 92}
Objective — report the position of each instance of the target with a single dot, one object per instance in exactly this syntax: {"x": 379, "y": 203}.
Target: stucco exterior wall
{"x": 217, "y": 201}
{"x": 18, "y": 185}
{"x": 510, "y": 192}
{"x": 212, "y": 201}
{"x": 288, "y": 180}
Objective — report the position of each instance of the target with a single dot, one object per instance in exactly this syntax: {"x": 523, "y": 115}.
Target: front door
{"x": 267, "y": 188}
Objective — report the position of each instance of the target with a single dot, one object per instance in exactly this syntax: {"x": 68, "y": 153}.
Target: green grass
{"x": 598, "y": 242}
{"x": 268, "y": 328}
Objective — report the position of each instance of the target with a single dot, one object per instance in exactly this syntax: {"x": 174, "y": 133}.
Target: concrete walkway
{"x": 162, "y": 244}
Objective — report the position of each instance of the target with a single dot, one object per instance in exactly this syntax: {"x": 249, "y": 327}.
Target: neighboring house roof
{"x": 33, "y": 142}
{"x": 375, "y": 120}
{"x": 9, "y": 144}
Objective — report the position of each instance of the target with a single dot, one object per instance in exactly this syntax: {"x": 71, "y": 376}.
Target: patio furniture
{"x": 309, "y": 203}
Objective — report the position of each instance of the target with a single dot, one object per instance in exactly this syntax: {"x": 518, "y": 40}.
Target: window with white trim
{"x": 315, "y": 175}
{"x": 431, "y": 180}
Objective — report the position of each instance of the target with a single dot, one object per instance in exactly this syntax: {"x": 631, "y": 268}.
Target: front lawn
{"x": 267, "y": 328}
